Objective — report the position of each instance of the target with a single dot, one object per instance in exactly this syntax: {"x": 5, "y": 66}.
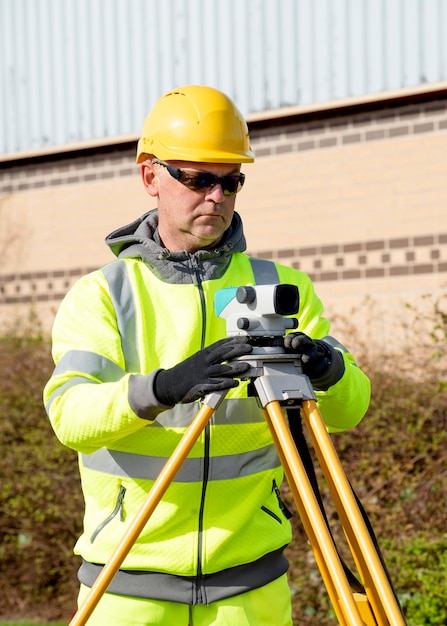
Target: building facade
{"x": 354, "y": 194}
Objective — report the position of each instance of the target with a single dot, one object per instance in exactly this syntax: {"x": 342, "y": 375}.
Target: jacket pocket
{"x": 118, "y": 510}
{"x": 271, "y": 513}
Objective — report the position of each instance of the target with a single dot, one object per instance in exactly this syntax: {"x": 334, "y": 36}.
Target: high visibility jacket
{"x": 221, "y": 527}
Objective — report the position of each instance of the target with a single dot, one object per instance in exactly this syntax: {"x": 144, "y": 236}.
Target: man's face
{"x": 190, "y": 220}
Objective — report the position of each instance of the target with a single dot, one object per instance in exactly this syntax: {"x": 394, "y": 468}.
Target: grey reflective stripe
{"x": 123, "y": 301}
{"x": 91, "y": 364}
{"x": 232, "y": 411}
{"x": 239, "y": 411}
{"x": 87, "y": 363}
{"x": 77, "y": 380}
{"x": 142, "y": 467}
{"x": 334, "y": 343}
{"x": 265, "y": 272}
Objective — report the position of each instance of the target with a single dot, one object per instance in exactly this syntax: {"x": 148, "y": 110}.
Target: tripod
{"x": 279, "y": 382}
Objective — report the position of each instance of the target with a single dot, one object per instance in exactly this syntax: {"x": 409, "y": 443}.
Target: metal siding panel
{"x": 166, "y": 46}
{"x": 71, "y": 71}
{"x": 18, "y": 79}
{"x": 241, "y": 68}
{"x": 84, "y": 71}
{"x": 322, "y": 40}
{"x": 305, "y": 57}
{"x": 7, "y": 122}
{"x": 374, "y": 42}
{"x": 272, "y": 68}
{"x": 59, "y": 73}
{"x": 431, "y": 34}
{"x": 255, "y": 57}
{"x": 412, "y": 43}
{"x": 223, "y": 44}
{"x": 100, "y": 25}
{"x": 393, "y": 45}
{"x": 287, "y": 39}
{"x": 122, "y": 80}
{"x": 109, "y": 68}
{"x": 44, "y": 87}
{"x": 178, "y": 31}
{"x": 155, "y": 56}
{"x": 339, "y": 52}
{"x": 442, "y": 38}
{"x": 193, "y": 34}
{"x": 89, "y": 69}
{"x": 207, "y": 43}
{"x": 34, "y": 114}
{"x": 357, "y": 51}
{"x": 141, "y": 50}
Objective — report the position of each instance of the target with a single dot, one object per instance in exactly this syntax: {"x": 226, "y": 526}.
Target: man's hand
{"x": 321, "y": 363}
{"x": 203, "y": 373}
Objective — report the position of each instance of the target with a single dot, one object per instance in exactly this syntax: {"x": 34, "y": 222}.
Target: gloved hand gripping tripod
{"x": 279, "y": 382}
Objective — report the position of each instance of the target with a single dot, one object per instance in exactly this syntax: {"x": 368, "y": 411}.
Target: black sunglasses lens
{"x": 205, "y": 180}
{"x": 199, "y": 181}
{"x": 230, "y": 184}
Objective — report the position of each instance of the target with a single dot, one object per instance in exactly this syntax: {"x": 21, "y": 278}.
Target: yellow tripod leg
{"x": 314, "y": 524}
{"x": 378, "y": 589}
{"x": 153, "y": 498}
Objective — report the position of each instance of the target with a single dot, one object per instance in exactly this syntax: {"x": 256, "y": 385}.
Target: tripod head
{"x": 259, "y": 311}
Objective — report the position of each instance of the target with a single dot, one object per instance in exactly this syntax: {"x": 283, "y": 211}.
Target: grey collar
{"x": 140, "y": 239}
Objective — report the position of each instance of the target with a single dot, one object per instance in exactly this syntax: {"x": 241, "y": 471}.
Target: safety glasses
{"x": 201, "y": 181}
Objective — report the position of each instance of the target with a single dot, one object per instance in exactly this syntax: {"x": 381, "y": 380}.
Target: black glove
{"x": 321, "y": 363}
{"x": 203, "y": 373}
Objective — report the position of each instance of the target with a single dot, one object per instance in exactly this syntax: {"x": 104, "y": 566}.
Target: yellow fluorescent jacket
{"x": 223, "y": 508}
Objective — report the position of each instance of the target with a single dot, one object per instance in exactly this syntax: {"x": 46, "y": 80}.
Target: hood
{"x": 140, "y": 239}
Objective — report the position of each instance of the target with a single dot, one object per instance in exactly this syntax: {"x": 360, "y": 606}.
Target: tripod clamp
{"x": 278, "y": 377}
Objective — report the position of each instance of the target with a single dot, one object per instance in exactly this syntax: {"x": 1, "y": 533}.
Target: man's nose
{"x": 216, "y": 193}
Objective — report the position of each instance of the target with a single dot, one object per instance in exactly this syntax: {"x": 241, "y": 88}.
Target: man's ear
{"x": 150, "y": 178}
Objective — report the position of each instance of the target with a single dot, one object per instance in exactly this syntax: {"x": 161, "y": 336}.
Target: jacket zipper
{"x": 118, "y": 509}
{"x": 199, "y": 591}
{"x": 284, "y": 510}
{"x": 271, "y": 513}
{"x": 195, "y": 267}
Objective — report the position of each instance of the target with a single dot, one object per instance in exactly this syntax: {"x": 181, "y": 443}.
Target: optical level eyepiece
{"x": 286, "y": 299}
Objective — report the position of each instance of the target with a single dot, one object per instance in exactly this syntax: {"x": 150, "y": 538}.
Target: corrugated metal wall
{"x": 77, "y": 70}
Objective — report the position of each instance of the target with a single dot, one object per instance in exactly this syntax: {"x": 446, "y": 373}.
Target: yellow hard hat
{"x": 195, "y": 123}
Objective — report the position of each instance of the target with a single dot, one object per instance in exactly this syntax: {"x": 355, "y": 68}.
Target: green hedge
{"x": 395, "y": 459}
{"x": 40, "y": 500}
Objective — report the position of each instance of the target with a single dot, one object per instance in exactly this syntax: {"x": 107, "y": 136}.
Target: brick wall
{"x": 354, "y": 196}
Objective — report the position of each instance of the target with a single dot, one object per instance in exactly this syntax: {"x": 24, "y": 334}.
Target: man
{"x": 138, "y": 343}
